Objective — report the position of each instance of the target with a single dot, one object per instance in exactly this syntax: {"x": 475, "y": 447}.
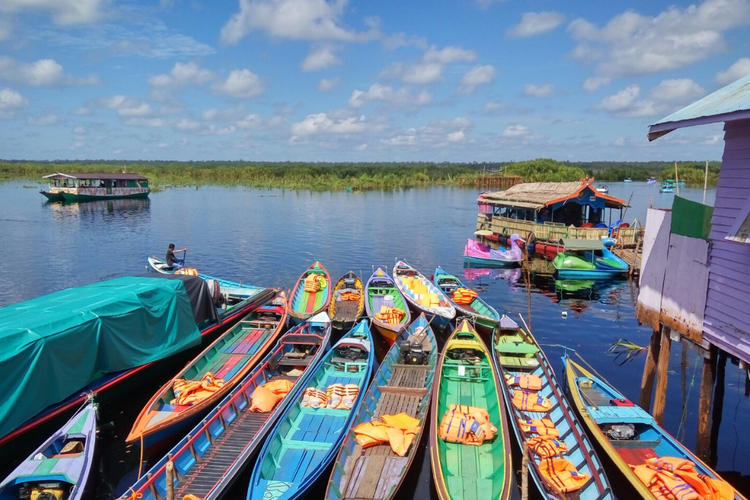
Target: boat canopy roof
{"x": 98, "y": 176}
{"x": 581, "y": 245}
{"x": 537, "y": 195}
{"x": 57, "y": 344}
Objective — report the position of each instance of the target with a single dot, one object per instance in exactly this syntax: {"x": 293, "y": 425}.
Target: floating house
{"x": 95, "y": 186}
{"x": 553, "y": 210}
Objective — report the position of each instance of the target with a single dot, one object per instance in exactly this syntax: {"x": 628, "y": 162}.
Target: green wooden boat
{"x": 467, "y": 376}
{"x": 484, "y": 315}
{"x": 303, "y": 304}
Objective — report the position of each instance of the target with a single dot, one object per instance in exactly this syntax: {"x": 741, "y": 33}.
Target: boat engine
{"x": 350, "y": 352}
{"x": 412, "y": 353}
{"x": 619, "y": 432}
{"x": 215, "y": 290}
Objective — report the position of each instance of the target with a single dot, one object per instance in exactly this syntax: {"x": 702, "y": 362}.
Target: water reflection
{"x": 136, "y": 209}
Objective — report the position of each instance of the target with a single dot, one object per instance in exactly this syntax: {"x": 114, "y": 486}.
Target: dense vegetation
{"x": 337, "y": 176}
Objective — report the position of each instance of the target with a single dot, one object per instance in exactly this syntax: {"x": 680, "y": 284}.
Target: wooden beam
{"x": 718, "y": 408}
{"x": 662, "y": 376}
{"x": 649, "y": 371}
{"x": 708, "y": 378}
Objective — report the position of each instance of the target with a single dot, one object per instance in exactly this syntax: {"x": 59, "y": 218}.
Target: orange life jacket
{"x": 188, "y": 392}
{"x": 264, "y": 400}
{"x": 677, "y": 478}
{"x": 547, "y": 446}
{"x": 524, "y": 381}
{"x": 464, "y": 296}
{"x": 541, "y": 426}
{"x": 561, "y": 475}
{"x": 530, "y": 401}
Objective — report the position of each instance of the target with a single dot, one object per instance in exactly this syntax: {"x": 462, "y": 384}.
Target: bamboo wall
{"x": 553, "y": 232}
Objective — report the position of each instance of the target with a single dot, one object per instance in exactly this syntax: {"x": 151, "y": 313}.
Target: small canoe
{"x": 211, "y": 457}
{"x": 219, "y": 367}
{"x": 305, "y": 440}
{"x": 627, "y": 434}
{"x": 303, "y": 303}
{"x": 402, "y": 385}
{"x": 466, "y": 376}
{"x": 522, "y": 363}
{"x": 348, "y": 302}
{"x": 422, "y": 295}
{"x": 61, "y": 466}
{"x": 382, "y": 291}
{"x": 478, "y": 310}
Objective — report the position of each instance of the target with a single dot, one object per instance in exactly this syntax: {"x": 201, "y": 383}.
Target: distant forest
{"x": 376, "y": 175}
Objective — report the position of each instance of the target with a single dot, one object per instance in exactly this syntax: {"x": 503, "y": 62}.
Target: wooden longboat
{"x": 211, "y": 456}
{"x": 400, "y": 385}
{"x": 478, "y": 310}
{"x": 422, "y": 295}
{"x": 345, "y": 312}
{"x": 95, "y": 186}
{"x": 466, "y": 375}
{"x": 517, "y": 354}
{"x": 60, "y": 467}
{"x": 606, "y": 413}
{"x": 229, "y": 358}
{"x": 303, "y": 304}
{"x": 381, "y": 290}
{"x": 305, "y": 440}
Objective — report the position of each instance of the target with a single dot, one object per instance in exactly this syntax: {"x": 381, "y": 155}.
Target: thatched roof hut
{"x": 537, "y": 195}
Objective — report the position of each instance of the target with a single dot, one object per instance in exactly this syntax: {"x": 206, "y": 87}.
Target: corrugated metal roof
{"x": 97, "y": 176}
{"x": 726, "y": 104}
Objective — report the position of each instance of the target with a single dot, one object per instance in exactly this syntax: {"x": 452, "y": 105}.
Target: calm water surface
{"x": 269, "y": 237}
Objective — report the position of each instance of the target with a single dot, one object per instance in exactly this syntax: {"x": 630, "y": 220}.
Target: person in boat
{"x": 171, "y": 259}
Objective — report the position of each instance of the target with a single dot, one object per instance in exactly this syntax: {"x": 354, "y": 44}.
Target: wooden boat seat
{"x": 374, "y": 476}
{"x": 408, "y": 375}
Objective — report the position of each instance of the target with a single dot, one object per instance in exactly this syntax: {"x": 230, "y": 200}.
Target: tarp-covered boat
{"x": 348, "y": 301}
{"x": 467, "y": 302}
{"x": 308, "y": 435}
{"x": 385, "y": 306}
{"x": 422, "y": 295}
{"x": 399, "y": 396}
{"x": 211, "y": 456}
{"x": 61, "y": 466}
{"x": 481, "y": 255}
{"x": 311, "y": 294}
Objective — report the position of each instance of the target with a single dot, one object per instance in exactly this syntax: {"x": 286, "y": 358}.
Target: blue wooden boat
{"x": 305, "y": 440}
{"x": 211, "y": 456}
{"x": 422, "y": 295}
{"x": 518, "y": 355}
{"x": 624, "y": 431}
{"x": 303, "y": 303}
{"x": 402, "y": 384}
{"x": 61, "y": 466}
{"x": 478, "y": 310}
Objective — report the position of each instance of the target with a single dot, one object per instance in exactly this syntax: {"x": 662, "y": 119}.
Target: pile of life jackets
{"x": 335, "y": 397}
{"x": 466, "y": 425}
{"x": 673, "y": 478}
{"x": 188, "y": 271}
{"x": 188, "y": 392}
{"x": 390, "y": 315}
{"x": 420, "y": 291}
{"x": 314, "y": 283}
{"x": 397, "y": 430}
{"x": 464, "y": 296}
{"x": 266, "y": 396}
{"x": 350, "y": 296}
{"x": 559, "y": 474}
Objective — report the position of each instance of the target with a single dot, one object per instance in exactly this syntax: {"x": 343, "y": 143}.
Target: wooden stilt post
{"x": 649, "y": 370}
{"x": 718, "y": 408}
{"x": 662, "y": 376}
{"x": 170, "y": 480}
{"x": 525, "y": 472}
{"x": 708, "y": 377}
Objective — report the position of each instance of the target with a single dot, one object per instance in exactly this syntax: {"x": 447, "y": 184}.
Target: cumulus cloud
{"x": 532, "y": 90}
{"x": 437, "y": 134}
{"x": 321, "y": 123}
{"x": 595, "y": 83}
{"x": 449, "y": 55}
{"x": 662, "y": 99}
{"x": 397, "y": 40}
{"x": 64, "y": 12}
{"x": 328, "y": 84}
{"x": 311, "y": 20}
{"x": 479, "y": 75}
{"x": 182, "y": 75}
{"x": 634, "y": 44}
{"x": 534, "y": 23}
{"x": 429, "y": 69}
{"x": 516, "y": 130}
{"x": 11, "y": 101}
{"x": 320, "y": 58}
{"x": 126, "y": 107}
{"x": 42, "y": 73}
{"x": 736, "y": 71}
{"x": 241, "y": 83}
{"x": 457, "y": 136}
{"x": 492, "y": 108}
{"x": 401, "y": 98}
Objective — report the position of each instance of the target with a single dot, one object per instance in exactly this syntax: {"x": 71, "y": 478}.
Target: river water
{"x": 269, "y": 237}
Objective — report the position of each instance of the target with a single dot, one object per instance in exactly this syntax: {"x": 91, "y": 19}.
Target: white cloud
{"x": 392, "y": 42}
{"x": 44, "y": 121}
{"x": 361, "y": 147}
{"x": 622, "y": 100}
{"x": 312, "y": 20}
{"x": 6, "y": 29}
{"x": 321, "y": 123}
{"x": 457, "y": 136}
{"x": 42, "y": 73}
{"x": 241, "y": 83}
{"x": 449, "y": 55}
{"x": 662, "y": 99}
{"x": 146, "y": 122}
{"x": 126, "y": 107}
{"x": 251, "y": 122}
{"x": 740, "y": 68}
{"x": 532, "y": 90}
{"x": 64, "y": 12}
{"x": 634, "y": 44}
{"x": 479, "y": 75}
{"x": 328, "y": 84}
{"x": 713, "y": 139}
{"x": 401, "y": 98}
{"x": 516, "y": 130}
{"x": 534, "y": 23}
{"x": 495, "y": 108}
{"x": 486, "y": 3}
{"x": 437, "y": 134}
{"x": 11, "y": 100}
{"x": 82, "y": 111}
{"x": 422, "y": 74}
{"x": 429, "y": 69}
{"x": 320, "y": 58}
{"x": 182, "y": 75}
{"x": 595, "y": 83}
{"x": 677, "y": 90}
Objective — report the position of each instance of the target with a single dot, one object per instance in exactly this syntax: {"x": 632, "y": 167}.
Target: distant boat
{"x": 628, "y": 180}
{"x": 603, "y": 189}
{"x": 668, "y": 186}
{"x": 651, "y": 180}
{"x": 95, "y": 186}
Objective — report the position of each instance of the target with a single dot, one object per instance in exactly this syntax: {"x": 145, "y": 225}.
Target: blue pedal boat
{"x": 305, "y": 440}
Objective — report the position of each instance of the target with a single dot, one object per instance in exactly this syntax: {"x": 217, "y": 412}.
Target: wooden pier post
{"x": 649, "y": 371}
{"x": 170, "y": 480}
{"x": 708, "y": 377}
{"x": 525, "y": 472}
{"x": 662, "y": 376}
{"x": 718, "y": 408}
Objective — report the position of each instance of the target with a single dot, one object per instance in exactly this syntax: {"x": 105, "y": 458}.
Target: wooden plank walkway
{"x": 632, "y": 256}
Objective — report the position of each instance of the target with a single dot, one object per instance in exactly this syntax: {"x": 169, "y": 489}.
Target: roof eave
{"x": 659, "y": 129}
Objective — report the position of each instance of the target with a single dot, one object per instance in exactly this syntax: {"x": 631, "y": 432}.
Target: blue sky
{"x": 385, "y": 80}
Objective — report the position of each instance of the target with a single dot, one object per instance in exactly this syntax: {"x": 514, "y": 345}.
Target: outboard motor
{"x": 215, "y": 290}
{"x": 412, "y": 353}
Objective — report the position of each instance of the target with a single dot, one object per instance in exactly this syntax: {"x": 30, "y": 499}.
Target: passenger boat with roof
{"x": 95, "y": 186}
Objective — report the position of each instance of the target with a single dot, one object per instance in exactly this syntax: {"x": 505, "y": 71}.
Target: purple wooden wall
{"x": 727, "y": 317}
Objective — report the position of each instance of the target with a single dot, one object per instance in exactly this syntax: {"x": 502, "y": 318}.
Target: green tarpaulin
{"x": 54, "y": 346}
{"x": 690, "y": 218}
